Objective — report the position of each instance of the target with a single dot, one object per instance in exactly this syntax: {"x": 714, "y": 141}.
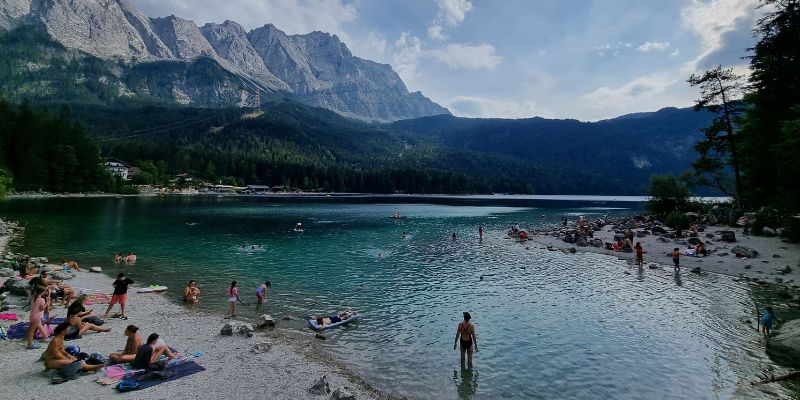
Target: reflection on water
{"x": 467, "y": 383}
{"x": 551, "y": 325}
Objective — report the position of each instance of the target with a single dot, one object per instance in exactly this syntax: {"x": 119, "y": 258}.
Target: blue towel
{"x": 177, "y": 372}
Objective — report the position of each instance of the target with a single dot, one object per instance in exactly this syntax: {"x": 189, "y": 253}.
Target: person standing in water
{"x": 465, "y": 335}
{"x": 767, "y": 320}
{"x": 676, "y": 258}
{"x": 639, "y": 254}
{"x": 261, "y": 293}
{"x": 233, "y": 297}
{"x": 480, "y": 232}
{"x": 454, "y": 236}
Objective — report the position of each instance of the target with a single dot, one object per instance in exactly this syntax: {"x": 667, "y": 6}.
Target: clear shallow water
{"x": 549, "y": 325}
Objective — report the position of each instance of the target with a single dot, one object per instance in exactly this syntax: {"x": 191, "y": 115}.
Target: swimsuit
{"x": 335, "y": 319}
{"x": 466, "y": 344}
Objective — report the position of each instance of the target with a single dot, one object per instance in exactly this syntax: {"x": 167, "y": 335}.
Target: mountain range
{"x": 315, "y": 68}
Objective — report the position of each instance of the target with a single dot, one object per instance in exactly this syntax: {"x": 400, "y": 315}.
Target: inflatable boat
{"x": 312, "y": 323}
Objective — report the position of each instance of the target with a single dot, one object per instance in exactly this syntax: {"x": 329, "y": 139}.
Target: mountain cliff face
{"x": 317, "y": 67}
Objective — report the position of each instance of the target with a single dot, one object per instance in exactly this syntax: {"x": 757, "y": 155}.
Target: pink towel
{"x": 9, "y": 316}
{"x": 115, "y": 372}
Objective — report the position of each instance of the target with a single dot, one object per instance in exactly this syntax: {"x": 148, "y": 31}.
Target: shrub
{"x": 678, "y": 220}
{"x": 667, "y": 194}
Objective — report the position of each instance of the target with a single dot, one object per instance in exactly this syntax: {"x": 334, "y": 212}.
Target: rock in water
{"x": 320, "y": 387}
{"x": 343, "y": 393}
{"x": 728, "y": 236}
{"x": 261, "y": 348}
{"x": 784, "y": 347}
{"x": 653, "y": 266}
{"x": 96, "y": 269}
{"x": 267, "y": 320}
{"x": 744, "y": 251}
{"x": 696, "y": 270}
{"x": 227, "y": 330}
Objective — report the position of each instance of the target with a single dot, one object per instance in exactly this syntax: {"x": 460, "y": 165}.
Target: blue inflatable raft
{"x": 312, "y": 323}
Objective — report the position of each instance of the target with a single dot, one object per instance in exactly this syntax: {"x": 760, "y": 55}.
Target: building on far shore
{"x": 258, "y": 189}
{"x": 117, "y": 167}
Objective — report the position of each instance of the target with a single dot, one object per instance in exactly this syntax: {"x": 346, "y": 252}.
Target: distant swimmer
{"x": 480, "y": 232}
{"x": 404, "y": 234}
{"x": 454, "y": 236}
{"x": 298, "y": 227}
{"x": 481, "y": 277}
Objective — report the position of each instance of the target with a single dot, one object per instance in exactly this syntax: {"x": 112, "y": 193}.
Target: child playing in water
{"x": 767, "y": 319}
{"x": 233, "y": 296}
{"x": 261, "y": 292}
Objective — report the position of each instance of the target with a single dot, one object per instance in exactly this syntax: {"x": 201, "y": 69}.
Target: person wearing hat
{"x": 465, "y": 334}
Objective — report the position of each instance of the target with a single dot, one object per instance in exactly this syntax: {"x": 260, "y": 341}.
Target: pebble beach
{"x": 269, "y": 364}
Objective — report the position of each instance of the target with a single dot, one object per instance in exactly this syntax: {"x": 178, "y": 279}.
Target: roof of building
{"x": 116, "y": 160}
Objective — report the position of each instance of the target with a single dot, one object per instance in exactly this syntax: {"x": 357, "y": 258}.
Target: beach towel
{"x": 175, "y": 372}
{"x": 8, "y": 316}
{"x": 20, "y": 329}
{"x": 98, "y": 298}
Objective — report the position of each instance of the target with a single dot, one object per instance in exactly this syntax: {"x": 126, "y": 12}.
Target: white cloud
{"x": 675, "y": 53}
{"x": 612, "y": 48}
{"x": 453, "y": 12}
{"x": 712, "y": 19}
{"x": 640, "y": 94}
{"x": 435, "y": 32}
{"x": 652, "y": 46}
{"x": 407, "y": 54}
{"x": 467, "y": 56}
{"x": 479, "y": 107}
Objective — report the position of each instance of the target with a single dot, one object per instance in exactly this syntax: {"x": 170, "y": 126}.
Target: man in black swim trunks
{"x": 465, "y": 334}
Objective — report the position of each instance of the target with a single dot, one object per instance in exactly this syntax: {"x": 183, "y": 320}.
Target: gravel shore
{"x": 233, "y": 370}
{"x": 774, "y": 255}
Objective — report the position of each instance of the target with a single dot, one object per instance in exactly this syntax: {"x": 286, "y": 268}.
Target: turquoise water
{"x": 549, "y": 325}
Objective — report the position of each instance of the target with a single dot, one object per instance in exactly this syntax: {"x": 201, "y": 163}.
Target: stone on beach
{"x": 743, "y": 251}
{"x": 96, "y": 269}
{"x": 227, "y": 329}
{"x": 267, "y": 320}
{"x": 728, "y": 236}
{"x": 17, "y": 286}
{"x": 62, "y": 275}
{"x": 261, "y": 348}
{"x": 596, "y": 242}
{"x": 321, "y": 387}
{"x": 343, "y": 393}
{"x": 6, "y": 272}
{"x": 768, "y": 232}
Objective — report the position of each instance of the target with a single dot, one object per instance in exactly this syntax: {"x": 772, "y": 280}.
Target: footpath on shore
{"x": 268, "y": 365}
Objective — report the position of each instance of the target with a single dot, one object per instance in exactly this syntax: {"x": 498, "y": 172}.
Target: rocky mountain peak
{"x": 317, "y": 66}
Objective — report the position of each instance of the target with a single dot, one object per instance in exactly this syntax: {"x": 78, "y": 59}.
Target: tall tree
{"x": 721, "y": 93}
{"x": 771, "y": 134}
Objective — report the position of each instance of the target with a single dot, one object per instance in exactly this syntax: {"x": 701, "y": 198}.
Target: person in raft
{"x": 56, "y": 357}
{"x": 767, "y": 319}
{"x": 148, "y": 354}
{"x": 120, "y": 296}
{"x": 40, "y": 304}
{"x": 191, "y": 293}
{"x": 342, "y": 316}
{"x": 261, "y": 292}
{"x": 131, "y": 346}
{"x": 130, "y": 258}
{"x": 233, "y": 297}
{"x": 465, "y": 334}
{"x": 639, "y": 254}
{"x": 676, "y": 258}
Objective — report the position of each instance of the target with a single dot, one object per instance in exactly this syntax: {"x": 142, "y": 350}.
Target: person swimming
{"x": 333, "y": 319}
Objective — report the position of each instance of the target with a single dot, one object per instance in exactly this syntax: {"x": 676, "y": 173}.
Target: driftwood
{"x": 791, "y": 375}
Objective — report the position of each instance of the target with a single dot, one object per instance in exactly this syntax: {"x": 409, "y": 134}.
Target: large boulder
{"x": 768, "y": 232}
{"x": 17, "y": 286}
{"x": 659, "y": 230}
{"x": 343, "y": 393}
{"x": 6, "y": 272}
{"x": 596, "y": 242}
{"x": 728, "y": 236}
{"x": 694, "y": 241}
{"x": 784, "y": 347}
{"x": 741, "y": 251}
{"x": 581, "y": 242}
{"x": 227, "y": 330}
{"x": 620, "y": 237}
{"x": 61, "y": 275}
{"x": 267, "y": 320}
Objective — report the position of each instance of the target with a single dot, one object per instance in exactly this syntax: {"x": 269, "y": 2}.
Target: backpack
{"x": 96, "y": 359}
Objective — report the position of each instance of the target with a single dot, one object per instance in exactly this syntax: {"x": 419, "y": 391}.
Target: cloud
{"x": 291, "y": 16}
{"x": 652, "y": 46}
{"x": 675, "y": 53}
{"x": 479, "y": 107}
{"x": 723, "y": 26}
{"x": 467, "y": 56}
{"x": 407, "y": 54}
{"x": 435, "y": 32}
{"x": 638, "y": 94}
{"x": 613, "y": 48}
{"x": 453, "y": 12}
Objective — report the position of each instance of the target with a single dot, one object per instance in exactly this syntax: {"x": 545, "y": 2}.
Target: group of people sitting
{"x": 130, "y": 258}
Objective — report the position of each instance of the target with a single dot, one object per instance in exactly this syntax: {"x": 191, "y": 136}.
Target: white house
{"x": 117, "y": 167}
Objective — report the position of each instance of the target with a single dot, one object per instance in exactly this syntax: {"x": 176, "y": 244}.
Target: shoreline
{"x": 286, "y": 371}
{"x": 769, "y": 266}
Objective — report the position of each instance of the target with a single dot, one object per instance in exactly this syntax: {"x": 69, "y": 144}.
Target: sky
{"x": 581, "y": 59}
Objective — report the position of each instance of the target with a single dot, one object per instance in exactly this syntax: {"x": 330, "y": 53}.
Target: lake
{"x": 549, "y": 324}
